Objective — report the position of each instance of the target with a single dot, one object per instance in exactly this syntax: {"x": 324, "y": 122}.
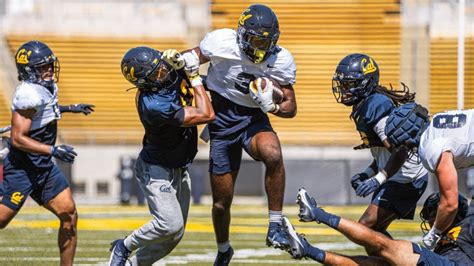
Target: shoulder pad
{"x": 375, "y": 107}
{"x": 430, "y": 153}
{"x": 218, "y": 42}
{"x": 28, "y": 96}
{"x": 282, "y": 68}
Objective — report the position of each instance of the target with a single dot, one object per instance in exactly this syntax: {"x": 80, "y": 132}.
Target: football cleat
{"x": 119, "y": 254}
{"x": 223, "y": 258}
{"x": 307, "y": 206}
{"x": 298, "y": 244}
{"x": 276, "y": 237}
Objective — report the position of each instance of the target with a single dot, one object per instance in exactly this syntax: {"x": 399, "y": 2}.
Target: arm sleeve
{"x": 379, "y": 128}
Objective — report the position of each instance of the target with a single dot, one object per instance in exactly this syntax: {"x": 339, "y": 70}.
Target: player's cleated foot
{"x": 298, "y": 244}
{"x": 119, "y": 254}
{"x": 223, "y": 258}
{"x": 307, "y": 206}
{"x": 276, "y": 237}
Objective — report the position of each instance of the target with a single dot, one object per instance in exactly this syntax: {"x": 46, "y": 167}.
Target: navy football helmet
{"x": 355, "y": 78}
{"x": 405, "y": 125}
{"x": 258, "y": 32}
{"x": 144, "y": 68}
{"x": 36, "y": 63}
{"x": 430, "y": 208}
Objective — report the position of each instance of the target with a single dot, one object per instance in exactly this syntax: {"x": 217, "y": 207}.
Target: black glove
{"x": 64, "y": 153}
{"x": 84, "y": 108}
{"x": 357, "y": 179}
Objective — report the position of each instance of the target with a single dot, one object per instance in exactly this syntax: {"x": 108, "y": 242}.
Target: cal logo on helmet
{"x": 368, "y": 67}
{"x": 129, "y": 75}
{"x": 22, "y": 56}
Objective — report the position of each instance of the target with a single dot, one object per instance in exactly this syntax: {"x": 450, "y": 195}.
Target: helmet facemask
{"x": 161, "y": 77}
{"x": 350, "y": 91}
{"x": 256, "y": 47}
{"x": 45, "y": 73}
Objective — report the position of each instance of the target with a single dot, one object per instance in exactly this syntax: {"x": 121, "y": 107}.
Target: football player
{"x": 164, "y": 105}
{"x": 456, "y": 248}
{"x": 28, "y": 168}
{"x": 396, "y": 188}
{"x": 236, "y": 59}
{"x": 445, "y": 145}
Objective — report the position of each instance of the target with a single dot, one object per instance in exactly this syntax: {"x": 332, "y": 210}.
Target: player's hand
{"x": 64, "y": 153}
{"x": 84, "y": 108}
{"x": 431, "y": 239}
{"x": 366, "y": 187}
{"x": 191, "y": 64}
{"x": 264, "y": 98}
{"x": 174, "y": 58}
{"x": 358, "y": 179}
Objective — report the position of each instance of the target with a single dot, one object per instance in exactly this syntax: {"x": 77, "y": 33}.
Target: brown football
{"x": 277, "y": 91}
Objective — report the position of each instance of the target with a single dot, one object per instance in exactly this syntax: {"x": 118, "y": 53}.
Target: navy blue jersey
{"x": 26, "y": 160}
{"x": 231, "y": 117}
{"x": 367, "y": 113}
{"x": 458, "y": 246}
{"x": 162, "y": 113}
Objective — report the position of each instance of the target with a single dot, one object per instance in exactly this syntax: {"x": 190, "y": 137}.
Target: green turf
{"x": 33, "y": 246}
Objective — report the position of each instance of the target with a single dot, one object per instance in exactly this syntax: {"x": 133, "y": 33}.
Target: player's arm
{"x": 448, "y": 189}
{"x": 202, "y": 113}
{"x": 21, "y": 124}
{"x": 196, "y": 53}
{"x": 287, "y": 108}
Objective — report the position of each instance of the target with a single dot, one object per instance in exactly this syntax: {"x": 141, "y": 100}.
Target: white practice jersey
{"x": 449, "y": 131}
{"x": 411, "y": 170}
{"x": 34, "y": 96}
{"x": 230, "y": 71}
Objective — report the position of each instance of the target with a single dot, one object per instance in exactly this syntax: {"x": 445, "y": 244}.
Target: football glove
{"x": 264, "y": 98}
{"x": 191, "y": 67}
{"x": 84, "y": 108}
{"x": 174, "y": 58}
{"x": 366, "y": 187}
{"x": 430, "y": 240}
{"x": 64, "y": 153}
{"x": 358, "y": 179}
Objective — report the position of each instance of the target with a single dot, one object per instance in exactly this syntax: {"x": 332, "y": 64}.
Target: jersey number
{"x": 449, "y": 121}
{"x": 242, "y": 82}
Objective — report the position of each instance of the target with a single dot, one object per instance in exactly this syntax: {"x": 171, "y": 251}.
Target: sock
{"x": 327, "y": 218}
{"x": 223, "y": 247}
{"x": 316, "y": 254}
{"x": 275, "y": 216}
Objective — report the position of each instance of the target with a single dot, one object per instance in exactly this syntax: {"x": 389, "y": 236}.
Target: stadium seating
{"x": 443, "y": 92}
{"x": 5, "y": 114}
{"x": 90, "y": 73}
{"x": 319, "y": 34}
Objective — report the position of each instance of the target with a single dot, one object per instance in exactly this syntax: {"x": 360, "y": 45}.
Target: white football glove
{"x": 431, "y": 239}
{"x": 191, "y": 63}
{"x": 264, "y": 98}
{"x": 174, "y": 58}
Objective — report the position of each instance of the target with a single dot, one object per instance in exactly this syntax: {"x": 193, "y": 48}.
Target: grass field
{"x": 30, "y": 239}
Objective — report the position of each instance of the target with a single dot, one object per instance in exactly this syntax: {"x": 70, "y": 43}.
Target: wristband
{"x": 380, "y": 177}
{"x": 196, "y": 81}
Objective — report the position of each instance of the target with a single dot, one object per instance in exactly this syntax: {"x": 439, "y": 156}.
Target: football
{"x": 277, "y": 91}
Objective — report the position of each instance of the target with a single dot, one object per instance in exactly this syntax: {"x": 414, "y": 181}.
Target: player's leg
{"x": 16, "y": 188}
{"x": 159, "y": 186}
{"x": 301, "y": 248}
{"x": 224, "y": 164}
{"x": 151, "y": 253}
{"x": 262, "y": 143}
{"x": 63, "y": 206}
{"x": 396, "y": 252}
